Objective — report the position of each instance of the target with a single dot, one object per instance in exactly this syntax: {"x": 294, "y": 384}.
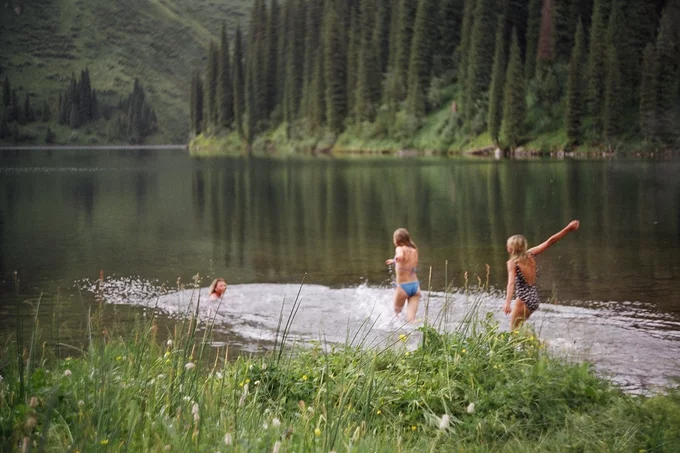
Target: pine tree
{"x": 648, "y": 93}
{"x": 546, "y": 51}
{"x": 480, "y": 56}
{"x": 497, "y": 84}
{"x": 200, "y": 108}
{"x": 296, "y": 52}
{"x": 461, "y": 54}
{"x": 211, "y": 86}
{"x": 317, "y": 93}
{"x": 565, "y": 29}
{"x": 597, "y": 62}
{"x": 450, "y": 23}
{"x": 368, "y": 77}
{"x": 353, "y": 57}
{"x": 381, "y": 34}
{"x": 575, "y": 84}
{"x": 335, "y": 55}
{"x": 94, "y": 106}
{"x": 612, "y": 103}
{"x": 514, "y": 99}
{"x": 282, "y": 54}
{"x": 28, "y": 110}
{"x": 6, "y": 93}
{"x": 313, "y": 32}
{"x": 619, "y": 32}
{"x": 407, "y": 13}
{"x": 225, "y": 86}
{"x": 422, "y": 53}
{"x": 239, "y": 83}
{"x": 272, "y": 47}
{"x": 667, "y": 79}
{"x": 74, "y": 117}
{"x": 46, "y": 114}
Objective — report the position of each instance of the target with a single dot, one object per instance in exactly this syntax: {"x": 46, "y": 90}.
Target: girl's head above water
{"x": 218, "y": 286}
{"x": 402, "y": 237}
{"x": 517, "y": 247}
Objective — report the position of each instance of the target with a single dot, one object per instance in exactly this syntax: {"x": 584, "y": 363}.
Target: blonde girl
{"x": 405, "y": 262}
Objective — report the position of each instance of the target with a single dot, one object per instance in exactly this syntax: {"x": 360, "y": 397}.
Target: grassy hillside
{"x": 158, "y": 41}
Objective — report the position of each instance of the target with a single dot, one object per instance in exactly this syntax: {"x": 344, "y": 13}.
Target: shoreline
{"x": 89, "y": 147}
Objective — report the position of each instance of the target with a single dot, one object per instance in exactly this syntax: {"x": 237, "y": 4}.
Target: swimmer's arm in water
{"x": 511, "y": 287}
{"x": 573, "y": 226}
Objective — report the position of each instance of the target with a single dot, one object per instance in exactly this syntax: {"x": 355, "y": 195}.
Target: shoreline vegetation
{"x": 158, "y": 389}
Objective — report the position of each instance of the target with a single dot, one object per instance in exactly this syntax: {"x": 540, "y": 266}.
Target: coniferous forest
{"x": 578, "y": 73}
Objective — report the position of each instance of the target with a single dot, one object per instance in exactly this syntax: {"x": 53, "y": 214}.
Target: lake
{"x": 146, "y": 218}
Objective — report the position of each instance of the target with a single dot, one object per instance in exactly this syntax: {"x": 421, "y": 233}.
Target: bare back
{"x": 406, "y": 264}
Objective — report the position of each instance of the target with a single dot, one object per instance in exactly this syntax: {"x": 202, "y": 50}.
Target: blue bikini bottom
{"x": 410, "y": 288}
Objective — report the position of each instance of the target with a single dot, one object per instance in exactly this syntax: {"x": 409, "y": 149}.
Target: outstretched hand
{"x": 573, "y": 225}
{"x": 389, "y": 261}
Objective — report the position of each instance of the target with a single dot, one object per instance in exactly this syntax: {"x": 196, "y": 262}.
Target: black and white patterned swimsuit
{"x": 525, "y": 292}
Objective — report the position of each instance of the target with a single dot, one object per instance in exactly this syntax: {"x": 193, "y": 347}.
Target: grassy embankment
{"x": 158, "y": 41}
{"x": 477, "y": 389}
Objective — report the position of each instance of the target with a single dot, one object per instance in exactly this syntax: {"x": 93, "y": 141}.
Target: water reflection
{"x": 161, "y": 215}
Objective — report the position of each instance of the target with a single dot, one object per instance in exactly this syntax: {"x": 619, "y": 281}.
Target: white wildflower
{"x": 167, "y": 448}
{"x": 169, "y": 343}
{"x": 242, "y": 401}
{"x": 67, "y": 373}
{"x": 265, "y": 426}
{"x": 227, "y": 439}
{"x": 194, "y": 409}
{"x": 276, "y": 422}
{"x": 444, "y": 422}
{"x": 81, "y": 403}
{"x": 160, "y": 376}
{"x": 471, "y": 408}
{"x": 257, "y": 383}
{"x": 277, "y": 445}
{"x": 219, "y": 375}
{"x": 186, "y": 398}
{"x": 190, "y": 366}
{"x": 264, "y": 366}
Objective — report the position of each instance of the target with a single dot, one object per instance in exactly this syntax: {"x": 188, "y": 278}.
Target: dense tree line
{"x": 16, "y": 113}
{"x": 601, "y": 69}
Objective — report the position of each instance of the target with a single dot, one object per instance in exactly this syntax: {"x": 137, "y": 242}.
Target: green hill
{"x": 159, "y": 42}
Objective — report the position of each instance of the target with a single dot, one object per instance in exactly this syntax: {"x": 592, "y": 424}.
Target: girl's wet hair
{"x": 402, "y": 237}
{"x": 517, "y": 246}
{"x": 214, "y": 283}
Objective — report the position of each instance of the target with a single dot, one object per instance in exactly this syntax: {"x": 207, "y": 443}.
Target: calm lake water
{"x": 147, "y": 218}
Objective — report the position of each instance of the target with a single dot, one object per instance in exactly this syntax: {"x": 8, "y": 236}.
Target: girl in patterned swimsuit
{"x": 405, "y": 262}
{"x": 522, "y": 275}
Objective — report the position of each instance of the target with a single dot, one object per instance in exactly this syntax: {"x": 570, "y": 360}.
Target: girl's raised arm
{"x": 573, "y": 226}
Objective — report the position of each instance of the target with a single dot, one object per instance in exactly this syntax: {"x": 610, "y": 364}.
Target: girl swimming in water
{"x": 217, "y": 289}
{"x": 522, "y": 275}
{"x": 405, "y": 262}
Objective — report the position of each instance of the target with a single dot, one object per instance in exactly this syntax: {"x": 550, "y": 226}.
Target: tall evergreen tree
{"x": 282, "y": 53}
{"x": 381, "y": 34}
{"x": 353, "y": 57}
{"x": 575, "y": 84}
{"x": 317, "y": 93}
{"x": 225, "y": 86}
{"x": 239, "y": 83}
{"x": 211, "y": 86}
{"x": 369, "y": 76}
{"x": 6, "y": 93}
{"x": 422, "y": 53}
{"x": 296, "y": 52}
{"x": 495, "y": 115}
{"x": 480, "y": 56}
{"x": 619, "y": 33}
{"x": 533, "y": 31}
{"x": 597, "y": 63}
{"x": 46, "y": 114}
{"x": 335, "y": 55}
{"x": 272, "y": 48}
{"x": 613, "y": 101}
{"x": 29, "y": 114}
{"x": 312, "y": 34}
{"x": 514, "y": 99}
{"x": 407, "y": 14}
{"x": 462, "y": 51}
{"x": 546, "y": 51}
{"x": 565, "y": 29}
{"x": 667, "y": 79}
{"x": 192, "y": 103}
{"x": 448, "y": 36}
{"x": 648, "y": 93}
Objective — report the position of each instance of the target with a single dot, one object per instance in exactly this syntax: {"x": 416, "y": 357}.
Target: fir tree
{"x": 211, "y": 86}
{"x": 450, "y": 23}
{"x": 481, "y": 56}
{"x": 6, "y": 93}
{"x": 13, "y": 110}
{"x": 225, "y": 86}
{"x": 312, "y": 34}
{"x": 335, "y": 55}
{"x": 296, "y": 52}
{"x": 667, "y": 78}
{"x": 239, "y": 83}
{"x": 597, "y": 62}
{"x": 648, "y": 93}
{"x": 514, "y": 102}
{"x": 353, "y": 57}
{"x": 407, "y": 14}
{"x": 381, "y": 34}
{"x": 368, "y": 80}
{"x": 497, "y": 84}
{"x": 422, "y": 53}
{"x": 620, "y": 33}
{"x": 575, "y": 84}
{"x": 271, "y": 48}
{"x": 462, "y": 51}
{"x": 74, "y": 117}
{"x": 282, "y": 53}
{"x": 46, "y": 114}
{"x": 546, "y": 50}
{"x": 612, "y": 103}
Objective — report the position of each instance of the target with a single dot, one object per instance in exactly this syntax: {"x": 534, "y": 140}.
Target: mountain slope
{"x": 158, "y": 41}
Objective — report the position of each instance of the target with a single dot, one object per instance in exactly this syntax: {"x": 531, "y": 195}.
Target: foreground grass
{"x": 473, "y": 390}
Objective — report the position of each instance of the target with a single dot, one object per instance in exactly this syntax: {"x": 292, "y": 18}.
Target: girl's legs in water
{"x": 400, "y": 298}
{"x": 412, "y": 308}
{"x": 520, "y": 313}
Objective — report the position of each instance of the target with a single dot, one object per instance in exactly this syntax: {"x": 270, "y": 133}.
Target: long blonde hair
{"x": 517, "y": 246}
{"x": 402, "y": 237}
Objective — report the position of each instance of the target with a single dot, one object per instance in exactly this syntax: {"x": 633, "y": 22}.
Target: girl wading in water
{"x": 522, "y": 275}
{"x": 405, "y": 262}
{"x": 217, "y": 289}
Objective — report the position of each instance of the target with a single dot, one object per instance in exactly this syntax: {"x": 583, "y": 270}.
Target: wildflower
{"x": 402, "y": 337}
{"x": 169, "y": 343}
{"x": 277, "y": 445}
{"x": 257, "y": 383}
{"x": 219, "y": 375}
{"x": 378, "y": 412}
{"x": 317, "y": 432}
{"x": 276, "y": 422}
{"x": 407, "y": 353}
{"x": 444, "y": 422}
{"x": 413, "y": 427}
{"x": 464, "y": 351}
{"x": 242, "y": 401}
{"x": 264, "y": 366}
{"x": 471, "y": 408}
{"x": 167, "y": 361}
{"x": 194, "y": 412}
{"x": 81, "y": 403}
{"x": 310, "y": 409}
{"x": 160, "y": 376}
{"x": 167, "y": 354}
{"x": 119, "y": 358}
{"x": 304, "y": 377}
{"x": 104, "y": 442}
{"x": 247, "y": 381}
{"x": 190, "y": 366}
{"x": 186, "y": 398}
{"x": 227, "y": 439}
{"x": 67, "y": 373}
